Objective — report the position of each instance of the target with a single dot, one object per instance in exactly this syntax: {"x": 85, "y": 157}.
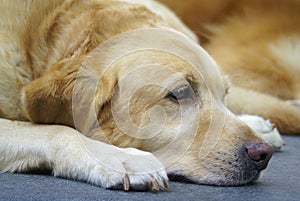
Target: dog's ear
{"x": 68, "y": 94}
{"x": 48, "y": 99}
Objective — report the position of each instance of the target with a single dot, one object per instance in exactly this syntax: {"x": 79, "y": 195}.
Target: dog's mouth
{"x": 243, "y": 168}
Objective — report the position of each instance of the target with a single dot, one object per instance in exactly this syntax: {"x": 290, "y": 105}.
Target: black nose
{"x": 260, "y": 153}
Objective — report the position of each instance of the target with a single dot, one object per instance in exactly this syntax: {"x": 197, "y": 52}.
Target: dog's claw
{"x": 166, "y": 183}
{"x": 126, "y": 183}
{"x": 154, "y": 185}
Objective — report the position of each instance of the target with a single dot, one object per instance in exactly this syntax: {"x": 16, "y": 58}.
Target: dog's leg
{"x": 286, "y": 117}
{"x": 25, "y": 146}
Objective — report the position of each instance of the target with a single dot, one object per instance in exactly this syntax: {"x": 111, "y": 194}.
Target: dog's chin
{"x": 240, "y": 180}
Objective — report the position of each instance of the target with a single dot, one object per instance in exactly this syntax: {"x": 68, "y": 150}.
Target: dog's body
{"x": 256, "y": 43}
{"x": 54, "y": 70}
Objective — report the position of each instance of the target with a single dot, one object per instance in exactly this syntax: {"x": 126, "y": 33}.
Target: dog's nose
{"x": 260, "y": 153}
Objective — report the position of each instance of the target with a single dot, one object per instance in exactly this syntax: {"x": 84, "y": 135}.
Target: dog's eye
{"x": 225, "y": 94}
{"x": 181, "y": 94}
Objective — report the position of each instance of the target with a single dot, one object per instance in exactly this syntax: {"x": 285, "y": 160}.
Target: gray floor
{"x": 281, "y": 181}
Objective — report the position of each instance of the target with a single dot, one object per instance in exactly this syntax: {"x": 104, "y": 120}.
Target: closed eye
{"x": 225, "y": 94}
{"x": 181, "y": 94}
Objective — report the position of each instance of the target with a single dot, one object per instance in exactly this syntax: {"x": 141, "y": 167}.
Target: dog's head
{"x": 158, "y": 91}
{"x": 169, "y": 101}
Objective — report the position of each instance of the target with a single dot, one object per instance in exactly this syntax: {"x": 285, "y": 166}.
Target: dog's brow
{"x": 179, "y": 80}
{"x": 176, "y": 80}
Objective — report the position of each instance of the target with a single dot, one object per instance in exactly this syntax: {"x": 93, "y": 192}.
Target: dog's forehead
{"x": 164, "y": 40}
{"x": 154, "y": 79}
{"x": 163, "y": 74}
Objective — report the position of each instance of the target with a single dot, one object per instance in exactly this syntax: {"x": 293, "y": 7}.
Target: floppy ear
{"x": 66, "y": 95}
{"x": 48, "y": 99}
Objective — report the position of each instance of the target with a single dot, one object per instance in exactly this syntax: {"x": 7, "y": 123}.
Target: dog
{"x": 256, "y": 43}
{"x": 117, "y": 94}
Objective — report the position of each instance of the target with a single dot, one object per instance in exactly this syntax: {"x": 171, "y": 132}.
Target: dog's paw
{"x": 139, "y": 171}
{"x": 265, "y": 129}
{"x": 295, "y": 103}
{"x": 110, "y": 167}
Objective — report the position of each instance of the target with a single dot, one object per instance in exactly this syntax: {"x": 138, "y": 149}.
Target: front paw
{"x": 110, "y": 167}
{"x": 139, "y": 170}
{"x": 264, "y": 129}
{"x": 295, "y": 103}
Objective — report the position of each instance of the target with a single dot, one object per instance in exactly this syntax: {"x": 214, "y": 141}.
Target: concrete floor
{"x": 280, "y": 181}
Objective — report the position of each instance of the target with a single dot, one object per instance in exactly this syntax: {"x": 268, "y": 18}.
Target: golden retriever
{"x": 257, "y": 44}
{"x": 118, "y": 94}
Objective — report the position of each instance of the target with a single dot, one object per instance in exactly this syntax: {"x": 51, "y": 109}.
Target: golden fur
{"x": 256, "y": 43}
{"x": 51, "y": 70}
